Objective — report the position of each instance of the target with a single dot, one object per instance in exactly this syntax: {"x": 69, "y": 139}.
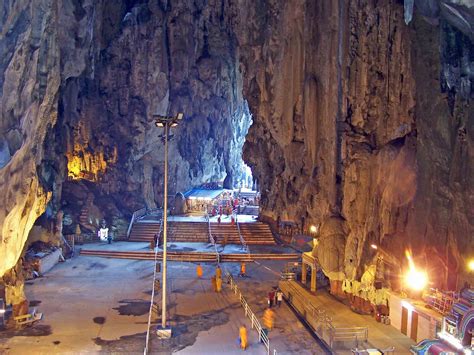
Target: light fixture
{"x": 470, "y": 265}
{"x": 167, "y": 122}
{"x": 313, "y": 229}
{"x": 373, "y": 246}
{"x": 415, "y": 279}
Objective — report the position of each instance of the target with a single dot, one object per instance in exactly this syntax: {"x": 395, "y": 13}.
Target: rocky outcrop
{"x": 361, "y": 123}
{"x": 351, "y": 120}
{"x": 80, "y": 84}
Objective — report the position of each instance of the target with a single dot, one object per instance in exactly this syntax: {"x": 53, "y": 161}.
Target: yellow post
{"x": 304, "y": 270}
{"x": 313, "y": 279}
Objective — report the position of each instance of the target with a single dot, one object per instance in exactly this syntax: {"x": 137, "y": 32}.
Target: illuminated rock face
{"x": 352, "y": 121}
{"x": 80, "y": 82}
{"x": 361, "y": 123}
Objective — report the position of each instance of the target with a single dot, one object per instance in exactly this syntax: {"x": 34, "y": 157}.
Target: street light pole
{"x": 165, "y": 225}
{"x": 166, "y": 123}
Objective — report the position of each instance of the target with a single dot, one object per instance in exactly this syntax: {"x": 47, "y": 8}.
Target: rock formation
{"x": 352, "y": 121}
{"x": 361, "y": 122}
{"x": 80, "y": 83}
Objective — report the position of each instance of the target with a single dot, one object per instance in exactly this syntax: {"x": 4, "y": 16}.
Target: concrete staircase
{"x": 257, "y": 233}
{"x": 189, "y": 232}
{"x": 144, "y": 231}
{"x": 178, "y": 232}
{"x": 221, "y": 230}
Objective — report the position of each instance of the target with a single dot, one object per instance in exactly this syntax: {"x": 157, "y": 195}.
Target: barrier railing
{"x": 152, "y": 301}
{"x": 318, "y": 313}
{"x": 320, "y": 316}
{"x": 241, "y": 237}
{"x": 211, "y": 237}
{"x": 137, "y": 214}
{"x": 262, "y": 335}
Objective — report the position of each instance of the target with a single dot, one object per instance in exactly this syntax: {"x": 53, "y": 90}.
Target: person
{"x": 242, "y": 269}
{"x": 243, "y": 337}
{"x": 279, "y": 298}
{"x": 199, "y": 271}
{"x": 271, "y": 298}
{"x": 232, "y": 220}
{"x": 218, "y": 272}
{"x": 214, "y": 285}
{"x": 268, "y": 318}
{"x": 103, "y": 233}
{"x": 218, "y": 284}
{"x": 219, "y": 220}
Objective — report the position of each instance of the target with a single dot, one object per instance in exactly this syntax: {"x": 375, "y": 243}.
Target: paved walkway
{"x": 380, "y": 335}
{"x": 289, "y": 335}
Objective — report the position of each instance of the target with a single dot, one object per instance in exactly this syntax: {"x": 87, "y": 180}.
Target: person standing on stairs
{"x": 199, "y": 271}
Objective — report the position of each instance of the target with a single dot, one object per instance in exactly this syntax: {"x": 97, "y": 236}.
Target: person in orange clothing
{"x": 218, "y": 272}
{"x": 213, "y": 282}
{"x": 268, "y": 318}
{"x": 242, "y": 269}
{"x": 199, "y": 271}
{"x": 243, "y": 337}
{"x": 218, "y": 284}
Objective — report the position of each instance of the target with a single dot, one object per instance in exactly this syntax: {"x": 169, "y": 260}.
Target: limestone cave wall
{"x": 363, "y": 125}
{"x": 362, "y": 117}
{"x": 80, "y": 82}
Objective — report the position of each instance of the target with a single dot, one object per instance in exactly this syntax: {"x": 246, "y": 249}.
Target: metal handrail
{"x": 137, "y": 214}
{"x": 318, "y": 313}
{"x": 320, "y": 316}
{"x": 211, "y": 237}
{"x": 262, "y": 336}
{"x": 145, "y": 351}
{"x": 241, "y": 237}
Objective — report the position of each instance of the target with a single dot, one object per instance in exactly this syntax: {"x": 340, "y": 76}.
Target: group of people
{"x": 216, "y": 280}
{"x": 275, "y": 298}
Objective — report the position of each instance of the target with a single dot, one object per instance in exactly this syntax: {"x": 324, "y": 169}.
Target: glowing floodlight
{"x": 373, "y": 246}
{"x": 470, "y": 265}
{"x": 313, "y": 229}
{"x": 415, "y": 279}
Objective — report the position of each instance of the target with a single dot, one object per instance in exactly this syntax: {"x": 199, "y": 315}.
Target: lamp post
{"x": 165, "y": 122}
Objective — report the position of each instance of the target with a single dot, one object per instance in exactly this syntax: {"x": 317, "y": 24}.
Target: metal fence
{"x": 153, "y": 307}
{"x": 211, "y": 237}
{"x": 241, "y": 237}
{"x": 262, "y": 335}
{"x": 136, "y": 215}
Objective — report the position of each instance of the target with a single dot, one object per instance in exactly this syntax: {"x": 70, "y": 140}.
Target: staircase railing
{"x": 136, "y": 215}
{"x": 241, "y": 237}
{"x": 262, "y": 335}
{"x": 211, "y": 237}
{"x": 152, "y": 301}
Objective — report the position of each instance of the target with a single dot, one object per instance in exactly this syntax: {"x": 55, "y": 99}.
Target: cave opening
{"x": 338, "y": 137}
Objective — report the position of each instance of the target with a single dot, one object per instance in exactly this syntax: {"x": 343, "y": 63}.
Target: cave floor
{"x": 97, "y": 305}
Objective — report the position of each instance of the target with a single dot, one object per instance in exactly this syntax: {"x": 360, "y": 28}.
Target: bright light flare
{"x": 470, "y": 265}
{"x": 313, "y": 229}
{"x": 415, "y": 279}
{"x": 373, "y": 246}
